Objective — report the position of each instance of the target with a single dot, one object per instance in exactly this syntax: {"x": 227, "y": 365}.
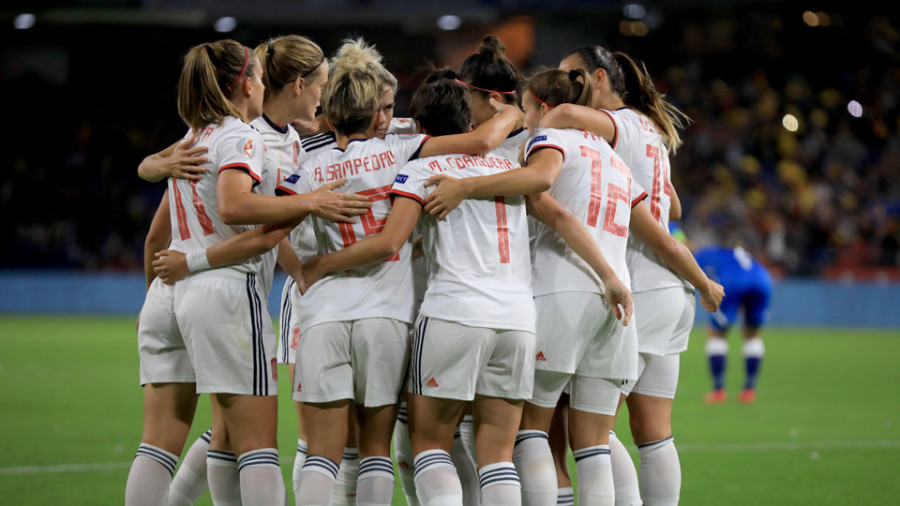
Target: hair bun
{"x": 492, "y": 46}
{"x": 441, "y": 74}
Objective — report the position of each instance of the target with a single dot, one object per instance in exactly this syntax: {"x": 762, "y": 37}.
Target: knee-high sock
{"x": 189, "y": 482}
{"x": 150, "y": 475}
{"x": 500, "y": 485}
{"x": 299, "y": 459}
{"x": 565, "y": 496}
{"x": 403, "y": 454}
{"x": 753, "y": 355}
{"x": 223, "y": 478}
{"x": 595, "y": 479}
{"x": 437, "y": 483}
{"x": 344, "y": 492}
{"x": 261, "y": 480}
{"x": 717, "y": 353}
{"x": 316, "y": 481}
{"x": 624, "y": 473}
{"x": 376, "y": 482}
{"x": 534, "y": 464}
{"x": 660, "y": 473}
{"x": 467, "y": 471}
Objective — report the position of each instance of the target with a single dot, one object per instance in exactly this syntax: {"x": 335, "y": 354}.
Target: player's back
{"x": 734, "y": 268}
{"x": 596, "y": 187}
{"x": 196, "y": 224}
{"x": 478, "y": 256}
{"x": 643, "y": 149}
{"x": 382, "y": 290}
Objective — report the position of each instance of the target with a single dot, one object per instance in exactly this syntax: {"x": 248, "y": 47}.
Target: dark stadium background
{"x": 89, "y": 90}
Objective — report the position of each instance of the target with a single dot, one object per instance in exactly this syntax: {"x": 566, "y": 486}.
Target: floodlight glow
{"x": 23, "y": 21}
{"x": 855, "y": 109}
{"x": 810, "y": 18}
{"x": 225, "y": 25}
{"x": 449, "y": 22}
{"x": 634, "y": 11}
{"x": 790, "y": 123}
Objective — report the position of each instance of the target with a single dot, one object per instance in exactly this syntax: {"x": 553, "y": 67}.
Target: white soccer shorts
{"x": 658, "y": 376}
{"x": 664, "y": 320}
{"x": 163, "y": 355}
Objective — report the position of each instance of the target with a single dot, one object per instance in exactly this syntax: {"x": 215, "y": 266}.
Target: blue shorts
{"x": 752, "y": 293}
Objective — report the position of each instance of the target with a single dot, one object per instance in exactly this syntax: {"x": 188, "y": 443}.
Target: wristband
{"x": 197, "y": 261}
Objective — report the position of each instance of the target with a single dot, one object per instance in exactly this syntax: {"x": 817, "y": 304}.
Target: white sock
{"x": 467, "y": 471}
{"x": 150, "y": 475}
{"x": 299, "y": 459}
{"x": 316, "y": 481}
{"x": 261, "y": 480}
{"x": 223, "y": 478}
{"x": 595, "y": 479}
{"x": 624, "y": 473}
{"x": 565, "y": 496}
{"x": 376, "y": 482}
{"x": 534, "y": 463}
{"x": 189, "y": 482}
{"x": 344, "y": 491}
{"x": 437, "y": 483}
{"x": 500, "y": 484}
{"x": 660, "y": 473}
{"x": 403, "y": 454}
{"x": 467, "y": 433}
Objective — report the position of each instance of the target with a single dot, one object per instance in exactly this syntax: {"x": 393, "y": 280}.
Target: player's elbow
{"x": 481, "y": 146}
{"x": 230, "y": 213}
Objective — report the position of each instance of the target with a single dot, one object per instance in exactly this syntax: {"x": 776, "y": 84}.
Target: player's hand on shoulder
{"x": 711, "y": 296}
{"x": 170, "y": 266}
{"x": 340, "y": 207}
{"x": 186, "y": 162}
{"x": 446, "y": 197}
{"x": 620, "y": 299}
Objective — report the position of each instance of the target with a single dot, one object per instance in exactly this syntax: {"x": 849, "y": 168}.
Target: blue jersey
{"x": 747, "y": 284}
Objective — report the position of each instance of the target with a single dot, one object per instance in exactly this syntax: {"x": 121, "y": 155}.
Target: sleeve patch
{"x": 535, "y": 140}
{"x": 401, "y": 178}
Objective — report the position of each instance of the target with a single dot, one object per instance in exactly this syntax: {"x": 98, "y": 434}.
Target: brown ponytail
{"x": 286, "y": 58}
{"x": 210, "y": 72}
{"x": 554, "y": 87}
{"x": 489, "y": 69}
{"x": 641, "y": 94}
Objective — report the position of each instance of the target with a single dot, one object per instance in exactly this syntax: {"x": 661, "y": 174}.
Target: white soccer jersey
{"x": 509, "y": 148}
{"x": 282, "y": 157}
{"x": 196, "y": 224}
{"x": 596, "y": 187}
{"x": 641, "y": 146}
{"x": 380, "y": 291}
{"x": 478, "y": 259}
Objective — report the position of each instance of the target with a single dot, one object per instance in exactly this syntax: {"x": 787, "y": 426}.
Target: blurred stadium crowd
{"x": 794, "y": 149}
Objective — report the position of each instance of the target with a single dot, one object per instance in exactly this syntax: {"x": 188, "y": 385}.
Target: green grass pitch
{"x": 824, "y": 430}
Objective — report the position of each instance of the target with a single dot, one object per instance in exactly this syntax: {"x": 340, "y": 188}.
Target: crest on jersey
{"x": 292, "y": 179}
{"x": 247, "y": 146}
{"x": 401, "y": 178}
{"x": 539, "y": 138}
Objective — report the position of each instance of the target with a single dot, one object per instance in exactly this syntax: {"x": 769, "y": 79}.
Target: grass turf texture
{"x": 825, "y": 428}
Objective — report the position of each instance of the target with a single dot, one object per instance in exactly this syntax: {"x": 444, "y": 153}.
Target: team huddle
{"x": 478, "y": 287}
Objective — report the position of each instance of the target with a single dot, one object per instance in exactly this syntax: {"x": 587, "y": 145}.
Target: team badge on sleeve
{"x": 537, "y": 139}
{"x": 401, "y": 178}
{"x": 292, "y": 179}
{"x": 247, "y": 146}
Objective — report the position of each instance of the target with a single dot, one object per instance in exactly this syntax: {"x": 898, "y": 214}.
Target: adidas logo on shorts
{"x": 432, "y": 383}
{"x": 540, "y": 357}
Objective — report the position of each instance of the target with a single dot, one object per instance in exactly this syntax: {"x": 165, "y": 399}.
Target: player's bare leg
{"x": 326, "y": 426}
{"x": 376, "y": 471}
{"x": 559, "y": 447}
{"x": 302, "y": 446}
{"x": 660, "y": 469}
{"x": 168, "y": 413}
{"x": 753, "y": 351}
{"x": 252, "y": 422}
{"x": 432, "y": 424}
{"x": 496, "y": 425}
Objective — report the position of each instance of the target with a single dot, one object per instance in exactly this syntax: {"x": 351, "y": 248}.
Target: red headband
{"x": 484, "y": 90}
{"x": 238, "y": 78}
{"x": 538, "y": 99}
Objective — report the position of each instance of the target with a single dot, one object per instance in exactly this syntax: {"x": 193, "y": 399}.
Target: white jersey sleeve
{"x": 402, "y": 126}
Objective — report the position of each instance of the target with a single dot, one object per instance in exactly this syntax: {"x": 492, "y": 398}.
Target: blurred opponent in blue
{"x": 748, "y": 287}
